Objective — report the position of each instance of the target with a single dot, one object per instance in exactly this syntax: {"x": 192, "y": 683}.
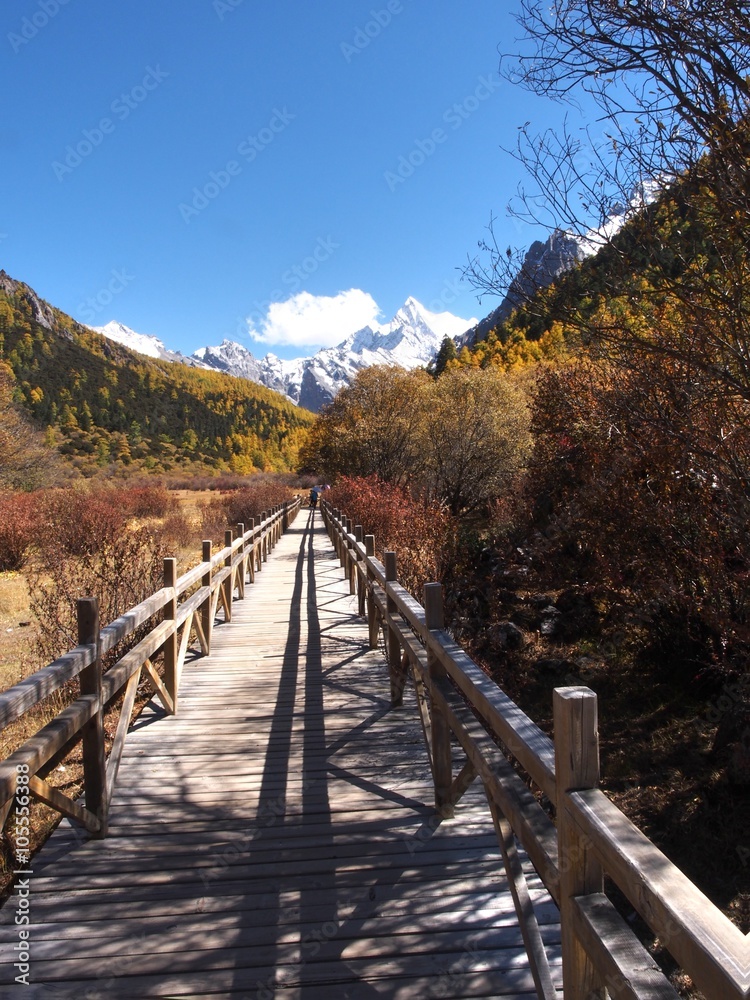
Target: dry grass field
{"x": 16, "y": 629}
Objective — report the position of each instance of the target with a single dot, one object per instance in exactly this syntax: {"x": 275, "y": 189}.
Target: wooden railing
{"x": 184, "y": 610}
{"x": 590, "y": 837}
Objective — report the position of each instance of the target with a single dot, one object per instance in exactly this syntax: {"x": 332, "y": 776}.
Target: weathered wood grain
{"x": 277, "y": 837}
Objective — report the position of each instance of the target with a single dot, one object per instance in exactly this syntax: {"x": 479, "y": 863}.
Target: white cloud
{"x": 306, "y": 320}
{"x": 446, "y": 324}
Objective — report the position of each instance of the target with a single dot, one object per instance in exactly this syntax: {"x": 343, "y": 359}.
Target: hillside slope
{"x": 108, "y": 408}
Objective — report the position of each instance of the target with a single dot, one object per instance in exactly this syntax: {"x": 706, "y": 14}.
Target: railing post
{"x": 206, "y": 617}
{"x": 351, "y": 559}
{"x": 170, "y": 646}
{"x": 342, "y": 544}
{"x": 372, "y": 611}
{"x": 359, "y": 534}
{"x": 227, "y": 584}
{"x": 576, "y": 767}
{"x": 339, "y": 517}
{"x": 441, "y": 733}
{"x": 264, "y": 538}
{"x": 94, "y": 760}
{"x": 243, "y": 565}
{"x": 251, "y": 559}
{"x": 394, "y": 646}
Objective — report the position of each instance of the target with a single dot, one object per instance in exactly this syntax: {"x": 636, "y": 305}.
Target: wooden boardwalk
{"x": 277, "y": 838}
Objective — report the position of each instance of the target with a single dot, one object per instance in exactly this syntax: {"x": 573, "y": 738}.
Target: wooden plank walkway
{"x": 276, "y": 839}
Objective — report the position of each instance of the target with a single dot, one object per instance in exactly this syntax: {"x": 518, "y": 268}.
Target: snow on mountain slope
{"x": 412, "y": 338}
{"x": 141, "y": 342}
{"x": 234, "y": 359}
{"x": 562, "y": 250}
{"x": 646, "y": 194}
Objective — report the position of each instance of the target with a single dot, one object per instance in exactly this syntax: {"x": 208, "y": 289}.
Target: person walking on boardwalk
{"x": 314, "y": 494}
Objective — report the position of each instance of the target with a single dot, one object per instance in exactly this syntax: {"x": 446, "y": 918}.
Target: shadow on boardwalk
{"x": 276, "y": 839}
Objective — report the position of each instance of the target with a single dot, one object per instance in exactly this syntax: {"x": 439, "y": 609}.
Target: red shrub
{"x": 422, "y": 534}
{"x": 19, "y": 524}
{"x": 213, "y": 520}
{"x": 148, "y": 501}
{"x": 240, "y": 506}
{"x": 176, "y": 530}
{"x": 122, "y": 572}
{"x": 83, "y": 521}
{"x": 251, "y": 501}
{"x": 638, "y": 484}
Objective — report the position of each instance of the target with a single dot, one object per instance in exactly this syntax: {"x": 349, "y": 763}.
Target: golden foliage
{"x": 111, "y": 409}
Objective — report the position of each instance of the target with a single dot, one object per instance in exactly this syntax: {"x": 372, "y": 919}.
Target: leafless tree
{"x": 25, "y": 462}
{"x": 671, "y": 82}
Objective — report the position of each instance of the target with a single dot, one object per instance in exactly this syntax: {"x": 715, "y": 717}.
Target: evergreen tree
{"x": 446, "y": 353}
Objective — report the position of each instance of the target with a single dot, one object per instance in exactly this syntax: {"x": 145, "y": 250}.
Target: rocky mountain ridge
{"x": 410, "y": 339}
{"x": 544, "y": 262}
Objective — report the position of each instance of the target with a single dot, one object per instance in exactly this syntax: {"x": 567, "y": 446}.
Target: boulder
{"x": 508, "y": 636}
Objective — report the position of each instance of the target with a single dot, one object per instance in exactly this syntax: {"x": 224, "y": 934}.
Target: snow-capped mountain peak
{"x": 412, "y": 338}
{"x": 235, "y": 359}
{"x": 141, "y": 342}
{"x": 410, "y": 312}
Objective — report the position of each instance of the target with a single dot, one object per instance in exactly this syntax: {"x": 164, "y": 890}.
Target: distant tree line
{"x": 106, "y": 408}
{"x": 461, "y": 439}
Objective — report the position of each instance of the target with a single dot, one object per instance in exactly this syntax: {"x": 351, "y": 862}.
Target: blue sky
{"x": 185, "y": 166}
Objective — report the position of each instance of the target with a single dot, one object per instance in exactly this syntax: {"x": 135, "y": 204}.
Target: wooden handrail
{"x": 601, "y": 955}
{"x": 698, "y": 935}
{"x": 84, "y": 715}
{"x": 16, "y": 701}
